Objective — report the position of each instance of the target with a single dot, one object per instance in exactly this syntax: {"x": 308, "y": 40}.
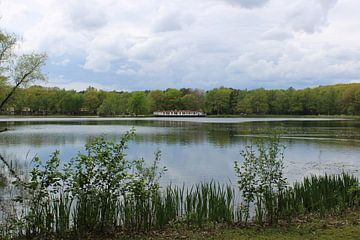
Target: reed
{"x": 320, "y": 194}
{"x": 198, "y": 205}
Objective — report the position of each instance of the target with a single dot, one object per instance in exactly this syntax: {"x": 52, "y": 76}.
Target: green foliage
{"x": 92, "y": 192}
{"x": 46, "y": 181}
{"x": 69, "y": 102}
{"x": 172, "y": 99}
{"x": 7, "y": 45}
{"x": 217, "y": 101}
{"x": 189, "y": 102}
{"x": 28, "y": 68}
{"x": 114, "y": 104}
{"x": 19, "y": 71}
{"x": 156, "y": 100}
{"x": 92, "y": 100}
{"x": 260, "y": 179}
{"x": 320, "y": 194}
{"x": 255, "y": 103}
{"x": 328, "y": 100}
{"x": 263, "y": 186}
{"x": 138, "y": 103}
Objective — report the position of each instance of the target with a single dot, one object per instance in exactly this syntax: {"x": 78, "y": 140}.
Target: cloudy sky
{"x": 157, "y": 44}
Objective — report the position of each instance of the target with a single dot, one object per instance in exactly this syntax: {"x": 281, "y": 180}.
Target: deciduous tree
{"x": 17, "y": 70}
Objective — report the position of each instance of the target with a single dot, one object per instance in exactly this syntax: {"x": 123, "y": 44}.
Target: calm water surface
{"x": 193, "y": 149}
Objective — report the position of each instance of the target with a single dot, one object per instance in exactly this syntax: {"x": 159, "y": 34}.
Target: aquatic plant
{"x": 320, "y": 194}
{"x": 261, "y": 179}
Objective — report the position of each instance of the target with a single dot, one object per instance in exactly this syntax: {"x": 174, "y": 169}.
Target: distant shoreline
{"x": 152, "y": 117}
{"x": 207, "y": 116}
{"x": 202, "y": 120}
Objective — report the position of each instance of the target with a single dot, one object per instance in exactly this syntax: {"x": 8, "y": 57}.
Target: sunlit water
{"x": 193, "y": 149}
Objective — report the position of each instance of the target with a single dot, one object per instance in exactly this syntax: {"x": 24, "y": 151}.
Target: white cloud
{"x": 298, "y": 62}
{"x": 87, "y": 15}
{"x": 168, "y": 21}
{"x": 277, "y": 34}
{"x": 126, "y": 70}
{"x": 98, "y": 61}
{"x": 63, "y": 62}
{"x": 310, "y": 16}
{"x": 205, "y": 43}
{"x": 249, "y": 3}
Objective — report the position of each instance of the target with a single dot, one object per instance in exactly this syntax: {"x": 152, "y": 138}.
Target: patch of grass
{"x": 347, "y": 232}
{"x": 346, "y": 227}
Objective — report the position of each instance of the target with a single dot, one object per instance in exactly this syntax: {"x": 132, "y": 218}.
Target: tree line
{"x": 325, "y": 100}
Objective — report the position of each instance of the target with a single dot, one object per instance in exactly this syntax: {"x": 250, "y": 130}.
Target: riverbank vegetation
{"x": 324, "y": 100}
{"x": 102, "y": 193}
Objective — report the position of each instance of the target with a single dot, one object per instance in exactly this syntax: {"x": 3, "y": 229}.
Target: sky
{"x": 158, "y": 44}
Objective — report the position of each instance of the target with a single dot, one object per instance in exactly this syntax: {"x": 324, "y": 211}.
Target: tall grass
{"x": 198, "y": 205}
{"x": 320, "y": 194}
{"x": 195, "y": 206}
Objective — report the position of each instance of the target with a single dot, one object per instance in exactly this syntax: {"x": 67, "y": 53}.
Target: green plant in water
{"x": 95, "y": 192}
{"x": 141, "y": 191}
{"x": 260, "y": 179}
{"x": 106, "y": 185}
{"x": 98, "y": 179}
{"x": 320, "y": 194}
{"x": 46, "y": 182}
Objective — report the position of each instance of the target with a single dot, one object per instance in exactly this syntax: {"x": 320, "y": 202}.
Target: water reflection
{"x": 56, "y": 133}
{"x": 195, "y": 151}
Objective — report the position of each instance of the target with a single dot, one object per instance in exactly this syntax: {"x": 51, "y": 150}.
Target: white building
{"x": 179, "y": 113}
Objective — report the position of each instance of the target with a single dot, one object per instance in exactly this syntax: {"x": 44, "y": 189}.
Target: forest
{"x": 325, "y": 100}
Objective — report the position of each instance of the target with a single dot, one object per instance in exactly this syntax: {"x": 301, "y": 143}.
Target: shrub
{"x": 91, "y": 193}
{"x": 260, "y": 179}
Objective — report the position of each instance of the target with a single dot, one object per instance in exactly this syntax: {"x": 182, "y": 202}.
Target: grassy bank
{"x": 351, "y": 232}
{"x": 345, "y": 226}
{"x": 347, "y": 232}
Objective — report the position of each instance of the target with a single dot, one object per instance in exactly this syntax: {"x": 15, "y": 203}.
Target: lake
{"x": 193, "y": 149}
